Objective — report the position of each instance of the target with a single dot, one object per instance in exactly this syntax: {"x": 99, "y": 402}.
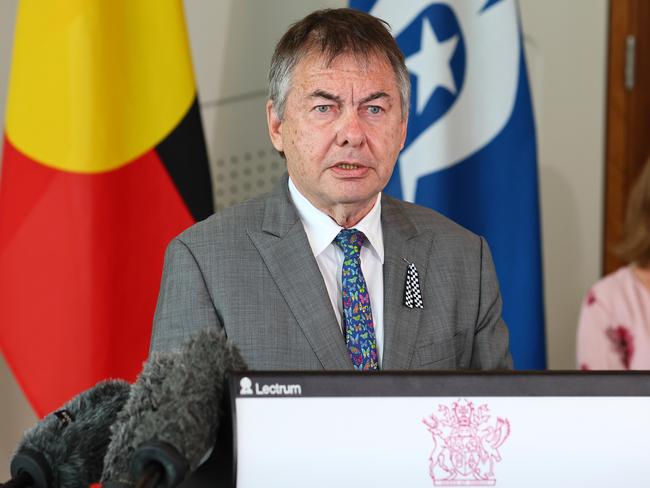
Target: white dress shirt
{"x": 321, "y": 230}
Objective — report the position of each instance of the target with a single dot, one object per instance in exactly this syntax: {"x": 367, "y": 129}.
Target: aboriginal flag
{"x": 104, "y": 161}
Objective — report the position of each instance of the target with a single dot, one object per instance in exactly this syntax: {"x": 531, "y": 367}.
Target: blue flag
{"x": 470, "y": 152}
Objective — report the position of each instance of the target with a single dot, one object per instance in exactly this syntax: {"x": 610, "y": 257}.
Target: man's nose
{"x": 350, "y": 131}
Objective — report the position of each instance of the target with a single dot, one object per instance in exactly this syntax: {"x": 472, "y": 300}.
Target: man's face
{"x": 342, "y": 130}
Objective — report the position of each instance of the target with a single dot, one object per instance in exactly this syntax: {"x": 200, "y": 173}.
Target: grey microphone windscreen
{"x": 175, "y": 401}
{"x": 66, "y": 448}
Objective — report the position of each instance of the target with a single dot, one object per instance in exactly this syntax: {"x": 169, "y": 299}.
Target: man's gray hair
{"x": 330, "y": 33}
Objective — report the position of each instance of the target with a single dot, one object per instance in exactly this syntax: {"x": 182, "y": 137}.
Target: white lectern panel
{"x": 288, "y": 434}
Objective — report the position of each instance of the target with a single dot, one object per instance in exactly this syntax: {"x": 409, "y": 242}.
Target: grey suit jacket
{"x": 250, "y": 270}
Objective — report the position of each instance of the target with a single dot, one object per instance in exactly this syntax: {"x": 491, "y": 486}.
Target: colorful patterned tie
{"x": 357, "y": 315}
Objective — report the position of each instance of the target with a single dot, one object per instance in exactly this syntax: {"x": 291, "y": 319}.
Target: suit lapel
{"x": 401, "y": 240}
{"x": 284, "y": 247}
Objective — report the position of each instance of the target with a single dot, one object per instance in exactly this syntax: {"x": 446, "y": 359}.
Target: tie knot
{"x": 350, "y": 241}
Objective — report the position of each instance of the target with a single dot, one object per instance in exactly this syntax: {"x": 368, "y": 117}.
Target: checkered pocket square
{"x": 412, "y": 293}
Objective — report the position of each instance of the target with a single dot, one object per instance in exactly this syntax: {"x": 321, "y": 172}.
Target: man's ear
{"x": 275, "y": 126}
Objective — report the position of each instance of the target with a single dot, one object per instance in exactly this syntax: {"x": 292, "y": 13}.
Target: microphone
{"x": 67, "y": 447}
{"x": 171, "y": 418}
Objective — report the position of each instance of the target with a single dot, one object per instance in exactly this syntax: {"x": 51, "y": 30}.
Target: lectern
{"x": 516, "y": 429}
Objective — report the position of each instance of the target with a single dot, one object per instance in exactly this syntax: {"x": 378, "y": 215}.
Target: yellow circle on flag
{"x": 95, "y": 83}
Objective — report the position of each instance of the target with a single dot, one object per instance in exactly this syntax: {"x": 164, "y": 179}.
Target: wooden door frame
{"x": 628, "y": 116}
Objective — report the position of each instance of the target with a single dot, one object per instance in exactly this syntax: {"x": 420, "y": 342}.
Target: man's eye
{"x": 375, "y": 109}
{"x": 322, "y": 108}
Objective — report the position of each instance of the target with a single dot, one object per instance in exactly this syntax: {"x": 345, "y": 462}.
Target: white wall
{"x": 232, "y": 41}
{"x": 566, "y": 45}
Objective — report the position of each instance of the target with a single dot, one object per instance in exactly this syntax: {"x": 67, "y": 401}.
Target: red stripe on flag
{"x": 80, "y": 265}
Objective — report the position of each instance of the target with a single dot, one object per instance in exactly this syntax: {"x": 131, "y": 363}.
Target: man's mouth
{"x": 348, "y": 166}
{"x": 350, "y": 169}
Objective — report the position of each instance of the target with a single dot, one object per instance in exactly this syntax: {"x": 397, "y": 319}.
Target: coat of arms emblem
{"x": 466, "y": 445}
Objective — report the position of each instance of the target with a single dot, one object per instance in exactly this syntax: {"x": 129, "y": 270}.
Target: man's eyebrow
{"x": 326, "y": 95}
{"x": 335, "y": 98}
{"x": 374, "y": 96}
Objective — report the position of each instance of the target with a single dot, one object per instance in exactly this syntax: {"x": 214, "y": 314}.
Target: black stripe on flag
{"x": 184, "y": 154}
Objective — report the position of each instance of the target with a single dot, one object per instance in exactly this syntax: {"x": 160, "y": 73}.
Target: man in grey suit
{"x": 326, "y": 272}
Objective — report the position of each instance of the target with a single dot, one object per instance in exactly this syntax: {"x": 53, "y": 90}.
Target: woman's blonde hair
{"x": 635, "y": 247}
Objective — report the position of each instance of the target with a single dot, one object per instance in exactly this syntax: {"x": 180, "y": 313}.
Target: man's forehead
{"x": 371, "y": 69}
{"x": 365, "y": 63}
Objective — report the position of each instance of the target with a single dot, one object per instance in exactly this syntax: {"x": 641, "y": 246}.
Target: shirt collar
{"x": 321, "y": 229}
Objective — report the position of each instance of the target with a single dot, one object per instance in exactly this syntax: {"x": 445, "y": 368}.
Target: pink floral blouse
{"x": 614, "y": 326}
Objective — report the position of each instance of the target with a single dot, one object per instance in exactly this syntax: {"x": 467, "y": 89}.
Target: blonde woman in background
{"x": 614, "y": 326}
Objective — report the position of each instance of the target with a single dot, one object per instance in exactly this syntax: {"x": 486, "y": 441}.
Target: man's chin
{"x": 357, "y": 201}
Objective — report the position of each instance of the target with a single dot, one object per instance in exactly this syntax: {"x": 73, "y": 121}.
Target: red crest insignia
{"x": 466, "y": 445}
